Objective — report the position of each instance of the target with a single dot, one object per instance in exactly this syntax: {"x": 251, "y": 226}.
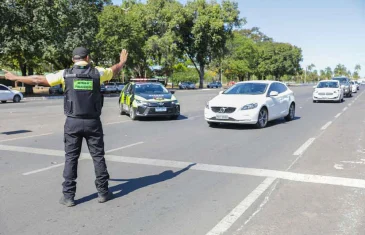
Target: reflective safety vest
{"x": 83, "y": 98}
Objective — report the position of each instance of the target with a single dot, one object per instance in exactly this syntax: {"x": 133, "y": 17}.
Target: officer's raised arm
{"x": 123, "y": 58}
{"x": 31, "y": 80}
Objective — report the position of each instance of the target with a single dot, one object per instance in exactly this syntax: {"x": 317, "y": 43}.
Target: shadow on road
{"x": 15, "y": 132}
{"x": 155, "y": 119}
{"x": 131, "y": 185}
{"x": 229, "y": 126}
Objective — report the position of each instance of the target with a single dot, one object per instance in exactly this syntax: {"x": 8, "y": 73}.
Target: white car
{"x": 354, "y": 87}
{"x": 251, "y": 102}
{"x": 9, "y": 94}
{"x": 328, "y": 90}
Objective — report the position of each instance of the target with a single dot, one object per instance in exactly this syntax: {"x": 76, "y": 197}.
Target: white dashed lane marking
{"x": 302, "y": 148}
{"x": 326, "y": 125}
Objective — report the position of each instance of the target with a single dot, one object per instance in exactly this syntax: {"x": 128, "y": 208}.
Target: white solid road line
{"x": 127, "y": 146}
{"x": 111, "y": 123}
{"x": 43, "y": 169}
{"x": 234, "y": 215}
{"x": 302, "y": 148}
{"x": 326, "y": 125}
{"x": 344, "y": 109}
{"x": 339, "y": 114}
{"x": 298, "y": 177}
{"x": 26, "y": 137}
{"x": 48, "y": 168}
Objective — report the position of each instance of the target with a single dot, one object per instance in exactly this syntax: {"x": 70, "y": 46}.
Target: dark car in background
{"x": 102, "y": 88}
{"x": 345, "y": 85}
{"x": 120, "y": 86}
{"x": 214, "y": 85}
{"x": 56, "y": 90}
{"x": 187, "y": 85}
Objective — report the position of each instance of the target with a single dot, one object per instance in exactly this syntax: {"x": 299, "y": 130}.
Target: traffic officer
{"x": 83, "y": 102}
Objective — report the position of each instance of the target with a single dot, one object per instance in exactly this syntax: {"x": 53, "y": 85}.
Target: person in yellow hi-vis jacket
{"x": 83, "y": 103}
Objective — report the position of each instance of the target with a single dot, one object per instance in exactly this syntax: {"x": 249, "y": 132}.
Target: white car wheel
{"x": 262, "y": 118}
{"x": 16, "y": 98}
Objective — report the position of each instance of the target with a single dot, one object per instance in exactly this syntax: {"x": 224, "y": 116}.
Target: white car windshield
{"x": 327, "y": 85}
{"x": 249, "y": 88}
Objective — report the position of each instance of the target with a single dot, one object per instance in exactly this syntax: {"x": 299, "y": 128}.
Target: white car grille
{"x": 325, "y": 93}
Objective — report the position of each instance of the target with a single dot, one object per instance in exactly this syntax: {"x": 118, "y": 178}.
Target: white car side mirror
{"x": 274, "y": 93}
{"x": 221, "y": 92}
{"x": 314, "y": 87}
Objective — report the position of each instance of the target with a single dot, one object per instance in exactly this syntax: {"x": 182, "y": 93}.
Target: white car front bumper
{"x": 238, "y": 116}
{"x": 326, "y": 97}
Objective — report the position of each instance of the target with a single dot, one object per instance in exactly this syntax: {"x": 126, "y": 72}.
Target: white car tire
{"x": 121, "y": 111}
{"x": 291, "y": 114}
{"x": 263, "y": 118}
{"x": 17, "y": 99}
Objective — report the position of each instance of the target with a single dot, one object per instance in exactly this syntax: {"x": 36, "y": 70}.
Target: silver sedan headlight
{"x": 249, "y": 106}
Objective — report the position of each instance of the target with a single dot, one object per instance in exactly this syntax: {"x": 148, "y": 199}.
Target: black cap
{"x": 80, "y": 52}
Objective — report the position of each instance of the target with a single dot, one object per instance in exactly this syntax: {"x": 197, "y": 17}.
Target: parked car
{"x": 111, "y": 87}
{"x": 358, "y": 85}
{"x": 328, "y": 90}
{"x": 345, "y": 84}
{"x": 102, "y": 88}
{"x": 120, "y": 86}
{"x": 214, "y": 85}
{"x": 251, "y": 102}
{"x": 187, "y": 85}
{"x": 56, "y": 90}
{"x": 7, "y": 94}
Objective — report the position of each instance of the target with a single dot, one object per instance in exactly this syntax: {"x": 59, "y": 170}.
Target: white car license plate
{"x": 222, "y": 116}
{"x": 161, "y": 109}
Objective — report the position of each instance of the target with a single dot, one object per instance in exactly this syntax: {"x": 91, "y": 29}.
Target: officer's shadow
{"x": 130, "y": 185}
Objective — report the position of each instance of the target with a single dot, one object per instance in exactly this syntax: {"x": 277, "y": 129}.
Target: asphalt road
{"x": 182, "y": 177}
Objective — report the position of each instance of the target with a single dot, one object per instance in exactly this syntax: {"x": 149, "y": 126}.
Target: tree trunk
{"x": 23, "y": 69}
{"x": 29, "y": 88}
{"x": 201, "y": 76}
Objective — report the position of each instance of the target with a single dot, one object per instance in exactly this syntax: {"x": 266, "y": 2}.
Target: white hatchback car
{"x": 8, "y": 94}
{"x": 251, "y": 102}
{"x": 328, "y": 90}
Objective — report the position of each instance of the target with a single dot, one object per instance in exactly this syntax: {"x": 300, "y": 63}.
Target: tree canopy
{"x": 203, "y": 39}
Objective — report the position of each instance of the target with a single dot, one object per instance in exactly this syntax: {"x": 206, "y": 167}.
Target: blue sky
{"x": 328, "y": 31}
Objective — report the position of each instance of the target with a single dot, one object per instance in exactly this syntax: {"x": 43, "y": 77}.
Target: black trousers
{"x": 75, "y": 130}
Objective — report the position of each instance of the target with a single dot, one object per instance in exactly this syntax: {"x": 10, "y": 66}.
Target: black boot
{"x": 104, "y": 197}
{"x": 67, "y": 201}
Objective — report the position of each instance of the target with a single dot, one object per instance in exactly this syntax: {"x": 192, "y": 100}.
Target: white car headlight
{"x": 174, "y": 102}
{"x": 249, "y": 106}
{"x": 141, "y": 102}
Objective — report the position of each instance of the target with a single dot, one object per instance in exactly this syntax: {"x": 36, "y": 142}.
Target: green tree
{"x": 328, "y": 72}
{"x": 242, "y": 57}
{"x": 163, "y": 18}
{"x": 322, "y": 75}
{"x": 206, "y": 28}
{"x": 357, "y": 68}
{"x": 124, "y": 29}
{"x": 255, "y": 34}
{"x": 340, "y": 70}
{"x": 278, "y": 59}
